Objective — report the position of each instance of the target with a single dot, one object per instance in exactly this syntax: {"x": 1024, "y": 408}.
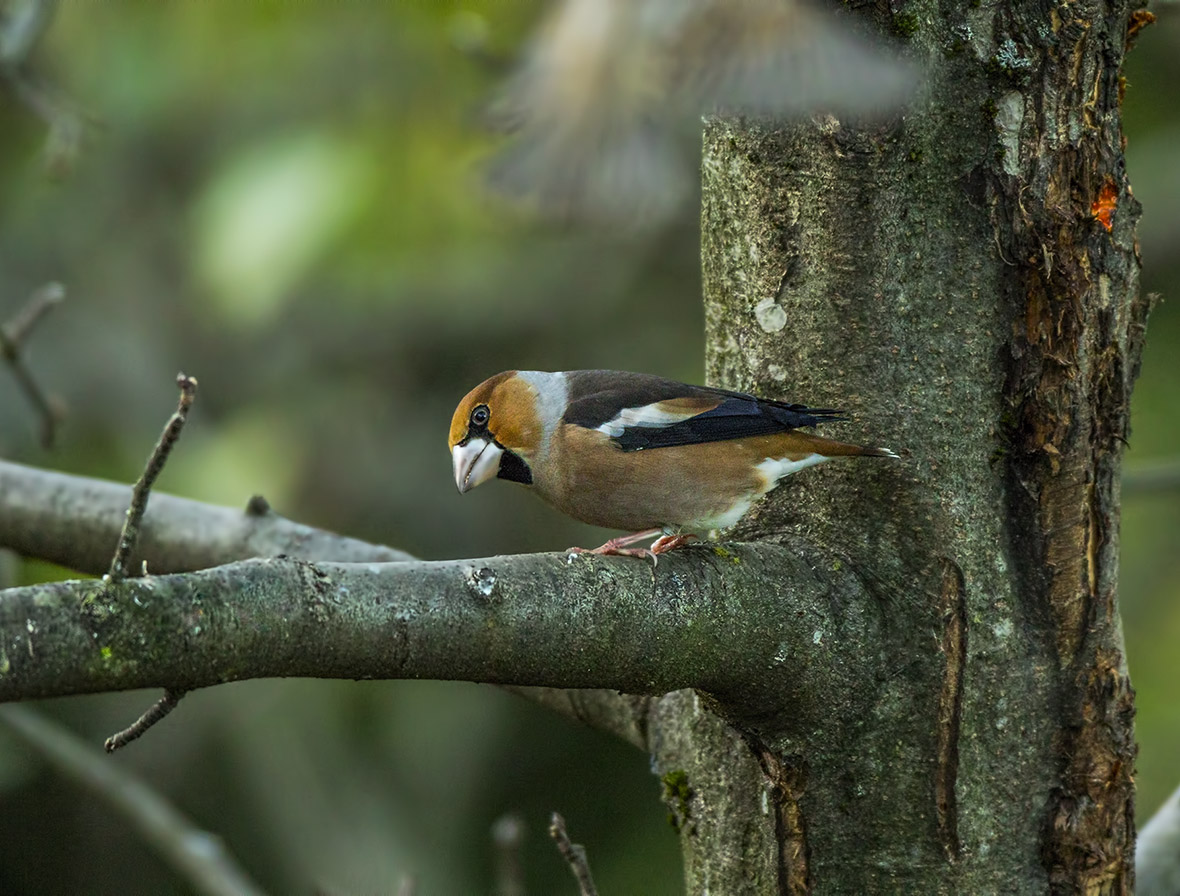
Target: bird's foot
{"x": 607, "y": 551}
{"x": 617, "y": 547}
{"x": 666, "y": 543}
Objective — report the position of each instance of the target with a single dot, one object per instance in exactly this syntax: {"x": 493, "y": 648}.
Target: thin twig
{"x": 18, "y": 329}
{"x": 12, "y": 337}
{"x": 507, "y": 835}
{"x": 136, "y": 729}
{"x": 1152, "y": 477}
{"x": 196, "y": 854}
{"x": 143, "y": 488}
{"x": 22, "y": 25}
{"x": 574, "y": 855}
{"x": 67, "y": 124}
{"x": 8, "y": 568}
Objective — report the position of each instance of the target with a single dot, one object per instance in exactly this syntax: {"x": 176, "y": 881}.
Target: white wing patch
{"x": 770, "y": 471}
{"x": 650, "y": 415}
{"x": 774, "y": 469}
{"x": 728, "y": 517}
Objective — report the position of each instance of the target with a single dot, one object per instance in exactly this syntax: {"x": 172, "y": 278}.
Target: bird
{"x": 605, "y": 104}
{"x": 636, "y": 451}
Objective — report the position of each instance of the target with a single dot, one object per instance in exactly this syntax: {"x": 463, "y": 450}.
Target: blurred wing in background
{"x": 609, "y": 93}
{"x": 784, "y": 59}
{"x": 587, "y": 107}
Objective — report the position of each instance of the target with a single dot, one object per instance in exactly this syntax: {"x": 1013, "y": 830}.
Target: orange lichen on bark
{"x": 1070, "y": 390}
{"x": 1139, "y": 20}
{"x": 1103, "y": 208}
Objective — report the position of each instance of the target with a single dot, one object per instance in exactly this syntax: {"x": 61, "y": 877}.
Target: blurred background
{"x": 283, "y": 200}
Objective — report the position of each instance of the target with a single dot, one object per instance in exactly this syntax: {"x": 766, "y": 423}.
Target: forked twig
{"x": 12, "y": 337}
{"x": 574, "y": 855}
{"x": 130, "y": 535}
{"x": 22, "y": 25}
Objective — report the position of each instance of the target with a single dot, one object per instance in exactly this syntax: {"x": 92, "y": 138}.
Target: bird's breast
{"x": 691, "y": 487}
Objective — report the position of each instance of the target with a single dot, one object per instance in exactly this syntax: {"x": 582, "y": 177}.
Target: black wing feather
{"x": 734, "y": 418}
{"x": 606, "y": 393}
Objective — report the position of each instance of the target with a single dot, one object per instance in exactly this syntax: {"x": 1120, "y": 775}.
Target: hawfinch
{"x": 634, "y": 451}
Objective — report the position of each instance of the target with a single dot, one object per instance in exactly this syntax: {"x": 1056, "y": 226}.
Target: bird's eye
{"x": 479, "y": 416}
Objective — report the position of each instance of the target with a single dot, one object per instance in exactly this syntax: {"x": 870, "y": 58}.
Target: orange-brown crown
{"x": 512, "y": 409}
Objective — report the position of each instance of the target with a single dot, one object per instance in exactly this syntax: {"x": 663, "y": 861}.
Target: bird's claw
{"x": 666, "y": 543}
{"x": 616, "y": 547}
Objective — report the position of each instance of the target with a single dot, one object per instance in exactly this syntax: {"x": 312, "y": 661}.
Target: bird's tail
{"x": 830, "y": 448}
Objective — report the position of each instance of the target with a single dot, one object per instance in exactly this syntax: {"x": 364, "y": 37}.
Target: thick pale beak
{"x": 476, "y": 462}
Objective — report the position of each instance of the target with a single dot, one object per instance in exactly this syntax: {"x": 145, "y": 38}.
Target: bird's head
{"x": 496, "y": 431}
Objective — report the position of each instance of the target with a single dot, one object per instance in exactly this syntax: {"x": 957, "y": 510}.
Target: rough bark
{"x": 948, "y": 280}
{"x": 552, "y": 620}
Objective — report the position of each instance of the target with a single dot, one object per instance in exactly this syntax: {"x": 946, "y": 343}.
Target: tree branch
{"x": 74, "y": 521}
{"x": 200, "y": 856}
{"x": 1157, "y": 856}
{"x": 807, "y": 630}
{"x": 66, "y": 519}
{"x": 1151, "y": 478}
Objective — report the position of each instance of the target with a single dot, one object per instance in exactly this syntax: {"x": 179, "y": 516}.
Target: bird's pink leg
{"x": 617, "y": 547}
{"x": 623, "y": 540}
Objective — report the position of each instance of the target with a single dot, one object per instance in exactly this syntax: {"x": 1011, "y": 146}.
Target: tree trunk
{"x": 954, "y": 283}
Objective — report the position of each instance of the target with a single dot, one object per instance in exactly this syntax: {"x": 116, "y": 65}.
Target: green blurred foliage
{"x": 283, "y": 200}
